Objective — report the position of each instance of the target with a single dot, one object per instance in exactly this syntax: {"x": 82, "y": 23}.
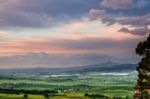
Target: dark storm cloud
{"x": 38, "y": 13}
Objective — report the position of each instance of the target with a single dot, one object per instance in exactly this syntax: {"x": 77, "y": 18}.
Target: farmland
{"x": 84, "y": 86}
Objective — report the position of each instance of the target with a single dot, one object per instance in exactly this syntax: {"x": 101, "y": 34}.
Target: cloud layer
{"x": 70, "y": 46}
{"x": 117, "y": 4}
{"x": 34, "y": 31}
{"x": 139, "y": 23}
{"x": 34, "y": 60}
{"x": 137, "y": 31}
{"x": 37, "y": 13}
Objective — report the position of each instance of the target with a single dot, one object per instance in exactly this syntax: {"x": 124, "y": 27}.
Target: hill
{"x": 107, "y": 67}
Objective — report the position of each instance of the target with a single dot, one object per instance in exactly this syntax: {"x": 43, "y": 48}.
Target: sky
{"x": 59, "y": 33}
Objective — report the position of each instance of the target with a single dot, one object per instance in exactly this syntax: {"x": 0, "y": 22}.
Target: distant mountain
{"x": 103, "y": 67}
{"x": 34, "y": 60}
{"x": 45, "y": 60}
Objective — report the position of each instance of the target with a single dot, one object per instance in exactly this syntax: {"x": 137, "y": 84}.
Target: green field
{"x": 70, "y": 87}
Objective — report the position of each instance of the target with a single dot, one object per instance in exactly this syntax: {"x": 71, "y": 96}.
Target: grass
{"x": 21, "y": 96}
{"x": 72, "y": 87}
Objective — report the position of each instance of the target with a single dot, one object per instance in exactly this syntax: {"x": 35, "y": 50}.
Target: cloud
{"x": 123, "y": 4}
{"x": 45, "y": 13}
{"x": 2, "y": 1}
{"x": 95, "y": 14}
{"x": 118, "y": 12}
{"x": 137, "y": 22}
{"x": 117, "y": 4}
{"x": 4, "y": 36}
{"x": 141, "y": 3}
{"x": 18, "y": 20}
{"x": 50, "y": 52}
{"x": 134, "y": 21}
{"x": 80, "y": 37}
{"x": 70, "y": 46}
{"x": 136, "y": 31}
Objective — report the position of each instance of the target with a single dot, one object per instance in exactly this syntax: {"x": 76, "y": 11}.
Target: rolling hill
{"x": 106, "y": 67}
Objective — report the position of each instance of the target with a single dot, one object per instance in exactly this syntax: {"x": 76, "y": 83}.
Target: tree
{"x": 46, "y": 96}
{"x": 143, "y": 49}
{"x": 25, "y": 96}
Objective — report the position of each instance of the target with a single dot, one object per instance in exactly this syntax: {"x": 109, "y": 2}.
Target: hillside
{"x": 106, "y": 67}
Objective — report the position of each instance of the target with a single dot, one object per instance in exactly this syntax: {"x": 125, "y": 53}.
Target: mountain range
{"x": 106, "y": 67}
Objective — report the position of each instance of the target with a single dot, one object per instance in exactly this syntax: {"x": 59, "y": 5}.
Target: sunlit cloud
{"x": 72, "y": 27}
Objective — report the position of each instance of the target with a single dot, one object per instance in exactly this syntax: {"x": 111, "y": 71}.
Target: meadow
{"x": 85, "y": 86}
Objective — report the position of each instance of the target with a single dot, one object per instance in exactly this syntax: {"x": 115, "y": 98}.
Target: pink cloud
{"x": 70, "y": 46}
